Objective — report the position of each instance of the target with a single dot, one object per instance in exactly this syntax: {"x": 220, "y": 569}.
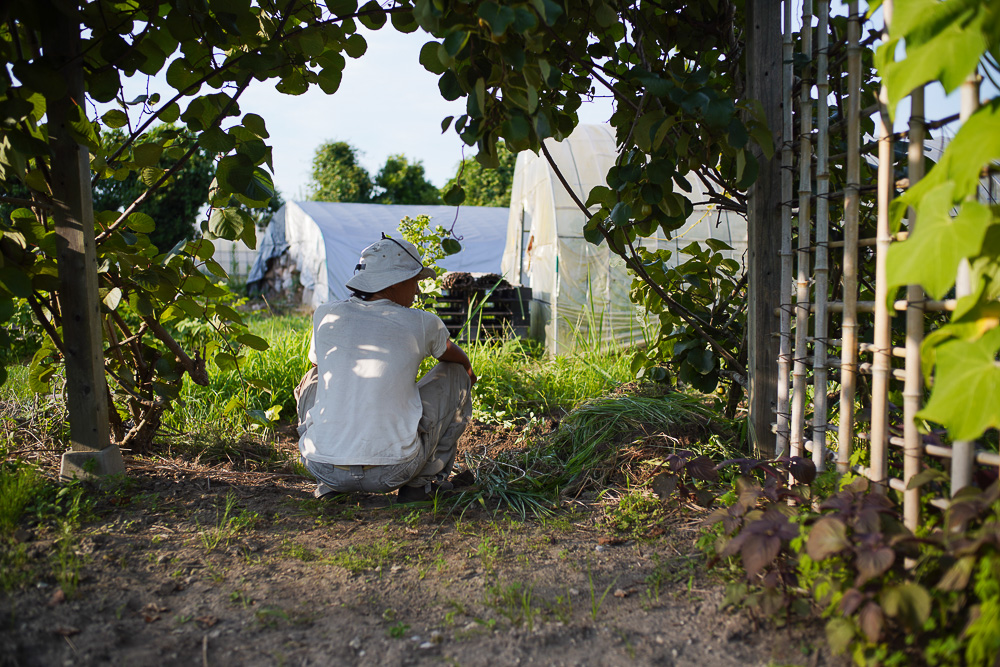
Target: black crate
{"x": 500, "y": 312}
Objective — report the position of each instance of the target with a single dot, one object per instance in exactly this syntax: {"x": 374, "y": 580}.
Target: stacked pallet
{"x": 483, "y": 305}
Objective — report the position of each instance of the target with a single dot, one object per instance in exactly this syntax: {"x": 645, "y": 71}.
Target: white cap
{"x": 387, "y": 262}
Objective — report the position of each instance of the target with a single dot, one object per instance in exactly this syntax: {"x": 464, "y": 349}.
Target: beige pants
{"x": 446, "y": 396}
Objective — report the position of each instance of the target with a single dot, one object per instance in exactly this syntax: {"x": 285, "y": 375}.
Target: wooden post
{"x": 79, "y": 304}
{"x": 764, "y": 223}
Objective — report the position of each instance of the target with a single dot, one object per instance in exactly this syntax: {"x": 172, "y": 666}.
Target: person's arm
{"x": 455, "y": 355}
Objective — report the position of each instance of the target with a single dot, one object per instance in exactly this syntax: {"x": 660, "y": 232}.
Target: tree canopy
{"x": 400, "y": 181}
{"x": 337, "y": 176}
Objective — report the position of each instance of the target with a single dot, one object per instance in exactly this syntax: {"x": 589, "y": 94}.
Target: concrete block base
{"x": 84, "y": 464}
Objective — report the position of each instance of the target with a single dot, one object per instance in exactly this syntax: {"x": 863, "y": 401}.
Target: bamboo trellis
{"x": 807, "y": 333}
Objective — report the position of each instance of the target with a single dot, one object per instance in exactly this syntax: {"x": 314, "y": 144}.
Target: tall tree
{"x": 400, "y": 181}
{"x": 337, "y": 176}
{"x": 176, "y": 204}
{"x": 485, "y": 186}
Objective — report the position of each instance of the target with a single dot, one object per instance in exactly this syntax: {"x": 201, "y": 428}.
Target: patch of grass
{"x": 635, "y": 513}
{"x": 358, "y": 558}
{"x": 515, "y": 602}
{"x": 265, "y": 379}
{"x": 295, "y": 550}
{"x": 20, "y": 485}
{"x": 228, "y": 524}
{"x": 517, "y": 382}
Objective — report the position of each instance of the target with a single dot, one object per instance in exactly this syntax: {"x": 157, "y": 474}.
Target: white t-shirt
{"x": 367, "y": 405}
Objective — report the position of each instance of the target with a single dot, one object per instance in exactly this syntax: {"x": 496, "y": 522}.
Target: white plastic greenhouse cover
{"x": 580, "y": 291}
{"x": 325, "y": 239}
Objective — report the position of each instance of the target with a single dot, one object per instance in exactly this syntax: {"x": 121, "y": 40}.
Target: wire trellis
{"x": 826, "y": 235}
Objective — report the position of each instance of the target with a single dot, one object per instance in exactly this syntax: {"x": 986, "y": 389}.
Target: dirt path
{"x": 189, "y": 565}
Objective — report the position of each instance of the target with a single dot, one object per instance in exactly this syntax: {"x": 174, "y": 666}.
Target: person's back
{"x": 365, "y": 423}
{"x": 370, "y": 352}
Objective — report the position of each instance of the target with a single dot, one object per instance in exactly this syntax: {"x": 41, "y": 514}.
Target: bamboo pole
{"x": 787, "y": 159}
{"x": 913, "y": 388}
{"x": 802, "y": 258}
{"x": 964, "y": 450}
{"x": 822, "y": 267}
{"x": 881, "y": 362}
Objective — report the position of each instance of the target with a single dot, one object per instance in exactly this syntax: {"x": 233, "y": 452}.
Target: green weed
{"x": 398, "y": 630}
{"x": 228, "y": 524}
{"x": 596, "y": 601}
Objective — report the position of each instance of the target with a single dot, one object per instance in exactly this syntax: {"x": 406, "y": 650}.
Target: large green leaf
{"x": 931, "y": 255}
{"x": 944, "y": 41}
{"x": 966, "y": 393}
{"x": 228, "y": 223}
{"x": 976, "y": 144}
{"x": 910, "y": 603}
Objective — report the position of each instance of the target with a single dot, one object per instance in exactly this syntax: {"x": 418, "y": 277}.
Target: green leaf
{"x": 910, "y": 603}
{"x": 372, "y": 16}
{"x": 455, "y": 41}
{"x": 342, "y": 7}
{"x": 226, "y": 362}
{"x": 41, "y": 371}
{"x": 549, "y": 10}
{"x": 216, "y": 268}
{"x": 15, "y": 281}
{"x": 228, "y": 223}
{"x": 454, "y": 196}
{"x": 498, "y": 18}
{"x": 449, "y": 86}
{"x": 255, "y": 124}
{"x": 966, "y": 393}
{"x": 943, "y": 44}
{"x": 141, "y": 222}
{"x": 621, "y": 213}
{"x": 931, "y": 255}
{"x": 235, "y": 402}
{"x": 252, "y": 341}
{"x": 839, "y": 635}
{"x": 148, "y": 154}
{"x": 216, "y": 140}
{"x": 430, "y": 60}
{"x": 450, "y": 246}
{"x": 115, "y": 118}
{"x": 170, "y": 113}
{"x": 355, "y": 46}
{"x": 958, "y": 575}
{"x": 926, "y": 476}
{"x": 976, "y": 144}
{"x": 717, "y": 245}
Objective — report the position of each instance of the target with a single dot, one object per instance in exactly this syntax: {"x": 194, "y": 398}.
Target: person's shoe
{"x": 463, "y": 479}
{"x": 422, "y": 494}
{"x": 324, "y": 492}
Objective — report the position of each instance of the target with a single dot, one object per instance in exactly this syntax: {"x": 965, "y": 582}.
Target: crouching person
{"x": 365, "y": 423}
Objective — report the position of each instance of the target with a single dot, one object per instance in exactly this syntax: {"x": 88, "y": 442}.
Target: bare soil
{"x": 169, "y": 578}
